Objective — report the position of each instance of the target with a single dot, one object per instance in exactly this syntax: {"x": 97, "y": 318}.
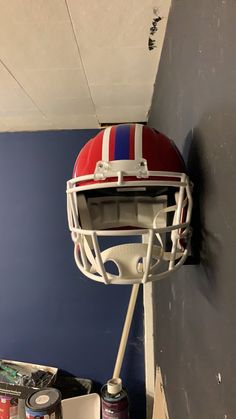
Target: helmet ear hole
{"x": 141, "y": 264}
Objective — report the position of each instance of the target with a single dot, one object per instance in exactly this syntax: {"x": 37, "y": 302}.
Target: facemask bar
{"x": 95, "y": 260}
{"x": 118, "y": 178}
{"x": 163, "y": 179}
{"x": 90, "y": 259}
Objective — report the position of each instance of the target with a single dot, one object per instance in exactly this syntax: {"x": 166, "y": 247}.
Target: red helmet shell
{"x": 159, "y": 151}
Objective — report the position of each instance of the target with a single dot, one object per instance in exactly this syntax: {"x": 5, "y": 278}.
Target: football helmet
{"x": 129, "y": 206}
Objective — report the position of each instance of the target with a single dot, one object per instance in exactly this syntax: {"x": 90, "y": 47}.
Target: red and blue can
{"x": 8, "y": 407}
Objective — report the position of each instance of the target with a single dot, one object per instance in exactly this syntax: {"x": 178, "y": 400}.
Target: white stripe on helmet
{"x": 138, "y": 142}
{"x": 105, "y": 144}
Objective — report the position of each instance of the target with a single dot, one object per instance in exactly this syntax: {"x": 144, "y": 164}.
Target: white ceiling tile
{"x": 39, "y": 124}
{"x": 19, "y": 112}
{"x": 120, "y": 65}
{"x": 16, "y": 103}
{"x": 58, "y": 91}
{"x": 67, "y": 107}
{"x": 75, "y": 122}
{"x": 42, "y": 124}
{"x": 3, "y": 126}
{"x": 38, "y": 45}
{"x": 13, "y": 99}
{"x": 121, "y": 94}
{"x": 113, "y": 38}
{"x": 113, "y": 24}
{"x": 52, "y": 84}
{"x": 121, "y": 114}
{"x": 25, "y": 11}
{"x": 69, "y": 63}
{"x": 17, "y": 123}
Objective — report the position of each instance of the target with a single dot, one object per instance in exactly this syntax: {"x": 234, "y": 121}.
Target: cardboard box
{"x": 23, "y": 391}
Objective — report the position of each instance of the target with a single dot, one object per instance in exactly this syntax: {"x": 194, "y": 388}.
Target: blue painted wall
{"x": 49, "y": 312}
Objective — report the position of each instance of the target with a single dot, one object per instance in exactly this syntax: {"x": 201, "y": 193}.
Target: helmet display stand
{"x": 126, "y": 329}
{"x": 120, "y": 354}
{"x": 130, "y": 184}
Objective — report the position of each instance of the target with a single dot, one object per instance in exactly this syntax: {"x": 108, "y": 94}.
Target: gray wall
{"x": 195, "y": 104}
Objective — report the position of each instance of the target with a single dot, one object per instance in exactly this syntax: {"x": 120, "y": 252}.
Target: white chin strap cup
{"x": 129, "y": 259}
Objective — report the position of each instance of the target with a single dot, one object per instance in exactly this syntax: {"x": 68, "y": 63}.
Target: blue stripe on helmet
{"x": 122, "y": 142}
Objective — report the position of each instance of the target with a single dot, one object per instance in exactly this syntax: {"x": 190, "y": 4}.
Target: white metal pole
{"x": 126, "y": 329}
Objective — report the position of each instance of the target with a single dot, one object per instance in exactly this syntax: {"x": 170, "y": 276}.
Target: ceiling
{"x": 76, "y": 64}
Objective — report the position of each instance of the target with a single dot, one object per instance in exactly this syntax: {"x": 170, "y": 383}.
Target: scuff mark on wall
{"x": 153, "y": 29}
{"x": 151, "y": 44}
{"x": 173, "y": 291}
{"x": 219, "y": 378}
{"x": 187, "y": 402}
